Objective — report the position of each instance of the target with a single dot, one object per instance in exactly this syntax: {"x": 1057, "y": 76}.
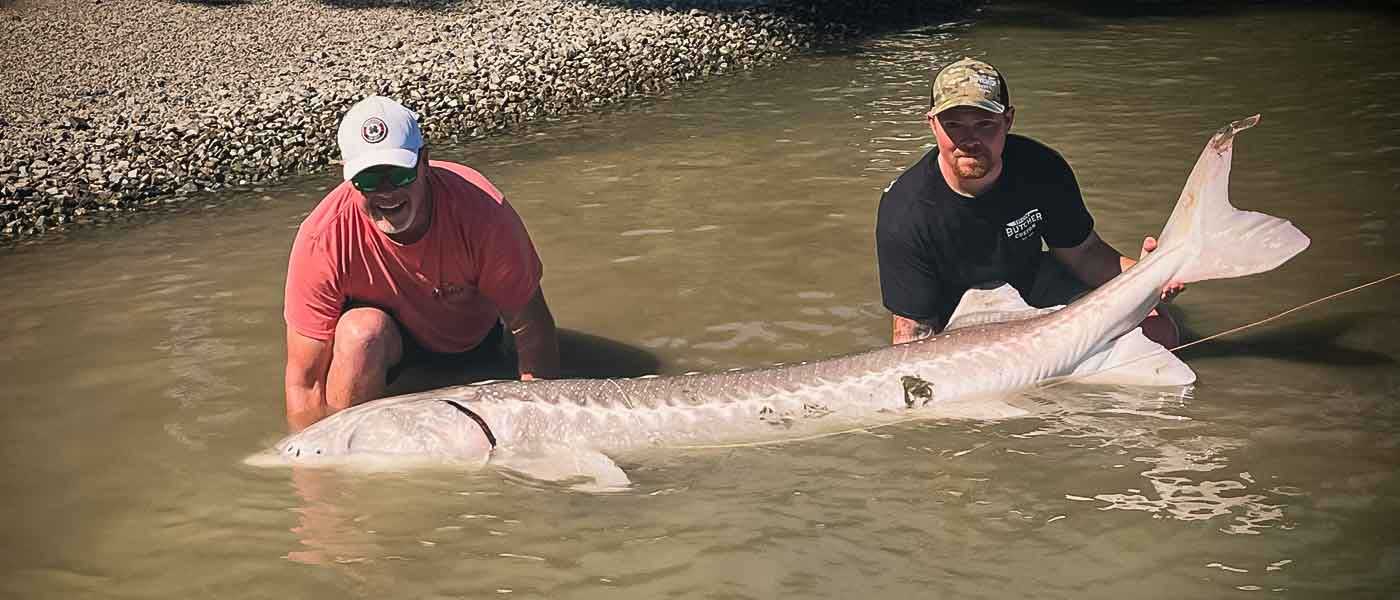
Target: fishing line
{"x": 626, "y": 400}
{"x": 1226, "y": 332}
{"x": 869, "y": 428}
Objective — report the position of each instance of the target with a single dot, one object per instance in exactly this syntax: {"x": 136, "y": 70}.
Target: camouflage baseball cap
{"x": 969, "y": 82}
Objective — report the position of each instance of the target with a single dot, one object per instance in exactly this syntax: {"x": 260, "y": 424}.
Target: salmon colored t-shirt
{"x": 446, "y": 290}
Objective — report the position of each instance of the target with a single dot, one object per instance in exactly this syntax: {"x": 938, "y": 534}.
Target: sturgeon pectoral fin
{"x": 996, "y": 305}
{"x": 559, "y": 464}
{"x": 1132, "y": 359}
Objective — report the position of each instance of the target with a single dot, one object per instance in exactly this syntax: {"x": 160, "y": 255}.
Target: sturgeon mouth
{"x": 295, "y": 451}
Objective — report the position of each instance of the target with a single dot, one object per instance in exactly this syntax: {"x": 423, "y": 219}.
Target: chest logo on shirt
{"x": 448, "y": 290}
{"x": 1025, "y": 226}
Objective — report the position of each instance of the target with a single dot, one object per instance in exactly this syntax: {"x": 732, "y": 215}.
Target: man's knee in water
{"x": 367, "y": 336}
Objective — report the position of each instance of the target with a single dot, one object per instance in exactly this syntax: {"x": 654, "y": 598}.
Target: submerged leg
{"x": 367, "y": 343}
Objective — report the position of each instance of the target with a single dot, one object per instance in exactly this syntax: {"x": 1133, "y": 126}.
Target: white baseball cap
{"x": 378, "y": 131}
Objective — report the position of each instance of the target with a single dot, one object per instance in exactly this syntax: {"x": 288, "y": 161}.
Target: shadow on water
{"x": 1311, "y": 342}
{"x": 590, "y": 356}
{"x": 581, "y": 355}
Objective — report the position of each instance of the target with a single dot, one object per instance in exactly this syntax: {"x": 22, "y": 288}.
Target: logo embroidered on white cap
{"x": 374, "y": 130}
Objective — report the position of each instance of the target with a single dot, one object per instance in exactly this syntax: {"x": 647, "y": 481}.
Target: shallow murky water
{"x": 731, "y": 225}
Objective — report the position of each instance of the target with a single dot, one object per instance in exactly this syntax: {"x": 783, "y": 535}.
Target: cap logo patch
{"x": 987, "y": 83}
{"x": 374, "y": 130}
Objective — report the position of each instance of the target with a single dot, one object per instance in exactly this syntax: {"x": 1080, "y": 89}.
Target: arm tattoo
{"x": 909, "y": 330}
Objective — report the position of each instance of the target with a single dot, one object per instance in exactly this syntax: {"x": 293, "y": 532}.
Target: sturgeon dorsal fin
{"x": 1132, "y": 359}
{"x": 984, "y": 306}
{"x": 585, "y": 470}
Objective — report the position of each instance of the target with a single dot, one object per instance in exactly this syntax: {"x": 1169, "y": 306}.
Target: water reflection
{"x": 1152, "y": 428}
{"x": 329, "y": 532}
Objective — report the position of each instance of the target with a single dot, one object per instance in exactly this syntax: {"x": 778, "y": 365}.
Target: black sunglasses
{"x": 384, "y": 179}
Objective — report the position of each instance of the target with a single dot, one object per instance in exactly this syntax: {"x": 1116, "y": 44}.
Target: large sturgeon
{"x": 995, "y": 345}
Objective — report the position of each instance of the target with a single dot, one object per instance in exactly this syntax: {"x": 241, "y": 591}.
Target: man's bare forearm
{"x": 305, "y": 405}
{"x": 536, "y": 340}
{"x": 537, "y": 349}
{"x": 304, "y": 380}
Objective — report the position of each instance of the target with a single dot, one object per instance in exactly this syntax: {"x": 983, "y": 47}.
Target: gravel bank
{"x": 111, "y": 106}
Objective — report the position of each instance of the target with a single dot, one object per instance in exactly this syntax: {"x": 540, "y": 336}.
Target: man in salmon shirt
{"x": 408, "y": 260}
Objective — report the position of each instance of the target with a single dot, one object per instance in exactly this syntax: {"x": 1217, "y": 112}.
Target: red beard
{"x": 971, "y": 166}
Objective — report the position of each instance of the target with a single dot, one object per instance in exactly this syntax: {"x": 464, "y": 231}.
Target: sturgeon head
{"x": 417, "y": 428}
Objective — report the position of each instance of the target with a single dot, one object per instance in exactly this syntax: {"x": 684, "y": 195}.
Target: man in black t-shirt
{"x": 975, "y": 209}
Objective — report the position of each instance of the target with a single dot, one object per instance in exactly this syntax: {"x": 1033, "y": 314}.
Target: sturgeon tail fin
{"x": 1227, "y": 242}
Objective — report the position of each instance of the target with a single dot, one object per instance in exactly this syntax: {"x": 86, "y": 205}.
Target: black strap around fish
{"x": 490, "y": 437}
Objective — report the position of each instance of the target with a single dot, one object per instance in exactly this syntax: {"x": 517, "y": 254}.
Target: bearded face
{"x": 396, "y": 199}
{"x": 970, "y": 140}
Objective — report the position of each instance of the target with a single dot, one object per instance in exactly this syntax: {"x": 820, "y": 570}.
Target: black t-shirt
{"x": 934, "y": 244}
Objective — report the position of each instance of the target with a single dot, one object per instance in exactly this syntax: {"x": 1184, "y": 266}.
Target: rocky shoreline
{"x": 114, "y": 106}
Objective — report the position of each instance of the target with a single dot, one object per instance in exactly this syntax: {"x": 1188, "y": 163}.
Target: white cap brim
{"x": 398, "y": 157}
